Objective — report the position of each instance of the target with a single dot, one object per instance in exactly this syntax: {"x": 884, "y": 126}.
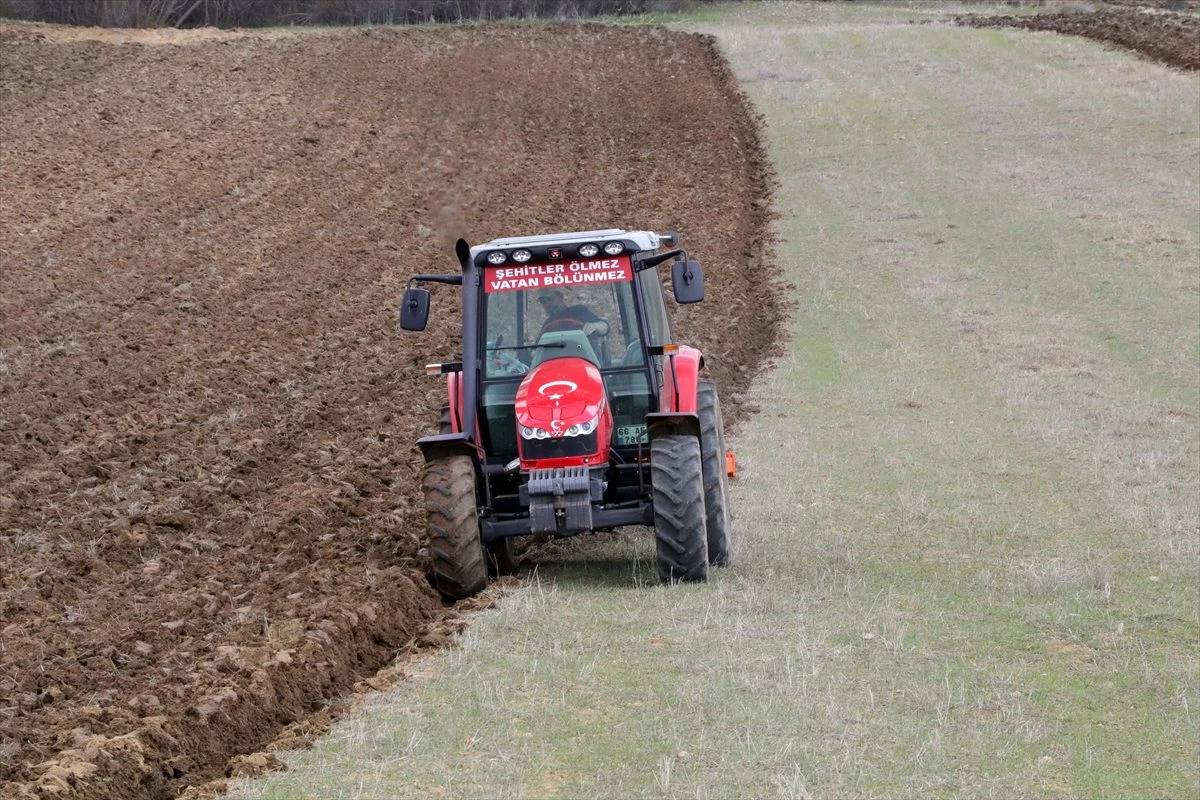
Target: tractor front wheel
{"x": 501, "y": 555}
{"x": 716, "y": 476}
{"x": 459, "y": 566}
{"x": 679, "y": 519}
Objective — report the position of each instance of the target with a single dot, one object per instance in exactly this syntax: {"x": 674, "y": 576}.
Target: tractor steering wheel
{"x": 562, "y": 324}
{"x": 600, "y": 347}
{"x": 508, "y": 364}
{"x": 634, "y": 349}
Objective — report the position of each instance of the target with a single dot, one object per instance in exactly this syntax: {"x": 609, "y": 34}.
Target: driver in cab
{"x": 561, "y": 317}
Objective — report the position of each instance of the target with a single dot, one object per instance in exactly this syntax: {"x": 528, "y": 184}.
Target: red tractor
{"x": 572, "y": 409}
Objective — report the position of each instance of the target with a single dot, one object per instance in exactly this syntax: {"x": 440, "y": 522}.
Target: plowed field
{"x": 1172, "y": 38}
{"x": 209, "y": 521}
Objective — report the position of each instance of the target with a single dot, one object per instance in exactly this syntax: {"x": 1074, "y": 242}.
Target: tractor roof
{"x": 644, "y": 240}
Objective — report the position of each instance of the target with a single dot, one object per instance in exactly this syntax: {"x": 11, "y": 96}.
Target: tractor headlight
{"x": 614, "y": 248}
{"x": 583, "y": 428}
{"x": 521, "y": 256}
{"x": 496, "y": 257}
{"x": 578, "y": 429}
{"x": 588, "y": 250}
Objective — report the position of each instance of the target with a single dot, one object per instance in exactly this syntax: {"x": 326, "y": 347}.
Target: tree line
{"x": 259, "y": 13}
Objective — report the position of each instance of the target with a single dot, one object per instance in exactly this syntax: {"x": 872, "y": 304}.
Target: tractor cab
{"x": 568, "y": 375}
{"x": 529, "y": 323}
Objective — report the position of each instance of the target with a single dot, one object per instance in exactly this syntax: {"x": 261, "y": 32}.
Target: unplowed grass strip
{"x": 967, "y": 510}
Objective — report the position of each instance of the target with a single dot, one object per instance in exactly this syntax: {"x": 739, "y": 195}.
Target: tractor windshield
{"x": 527, "y": 326}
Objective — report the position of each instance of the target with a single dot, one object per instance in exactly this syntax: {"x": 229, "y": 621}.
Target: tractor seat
{"x": 574, "y": 344}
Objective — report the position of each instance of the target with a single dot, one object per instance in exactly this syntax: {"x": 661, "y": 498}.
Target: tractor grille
{"x": 559, "y": 448}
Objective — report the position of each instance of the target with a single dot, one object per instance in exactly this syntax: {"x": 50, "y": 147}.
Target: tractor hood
{"x": 558, "y": 394}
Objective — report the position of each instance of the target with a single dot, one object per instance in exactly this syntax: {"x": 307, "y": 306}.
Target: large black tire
{"x": 459, "y": 566}
{"x": 679, "y": 530}
{"x": 501, "y": 557}
{"x": 716, "y": 478}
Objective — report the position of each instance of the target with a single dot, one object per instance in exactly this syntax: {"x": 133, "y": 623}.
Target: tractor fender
{"x": 672, "y": 424}
{"x": 447, "y": 444}
{"x": 454, "y": 382}
{"x": 681, "y": 377}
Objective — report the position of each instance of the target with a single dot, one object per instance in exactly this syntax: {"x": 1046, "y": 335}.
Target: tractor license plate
{"x": 631, "y": 434}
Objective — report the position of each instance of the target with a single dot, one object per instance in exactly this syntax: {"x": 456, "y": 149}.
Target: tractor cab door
{"x": 503, "y": 319}
{"x": 634, "y": 389}
{"x": 627, "y": 380}
{"x": 654, "y": 302}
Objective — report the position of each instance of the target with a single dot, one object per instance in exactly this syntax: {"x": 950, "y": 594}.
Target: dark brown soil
{"x": 1143, "y": 27}
{"x": 209, "y": 522}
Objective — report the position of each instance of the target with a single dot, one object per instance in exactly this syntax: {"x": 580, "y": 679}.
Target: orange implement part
{"x": 730, "y": 464}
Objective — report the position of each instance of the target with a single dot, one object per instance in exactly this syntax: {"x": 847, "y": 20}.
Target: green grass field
{"x": 969, "y": 559}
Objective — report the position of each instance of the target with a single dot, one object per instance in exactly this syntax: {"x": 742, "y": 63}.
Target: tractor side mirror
{"x": 687, "y": 280}
{"x": 414, "y": 309}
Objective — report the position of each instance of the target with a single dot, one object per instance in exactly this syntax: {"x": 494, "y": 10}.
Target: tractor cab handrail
{"x": 646, "y": 262}
{"x": 453, "y": 280}
{"x": 525, "y": 346}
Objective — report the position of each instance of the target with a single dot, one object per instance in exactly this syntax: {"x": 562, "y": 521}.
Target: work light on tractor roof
{"x": 572, "y": 409}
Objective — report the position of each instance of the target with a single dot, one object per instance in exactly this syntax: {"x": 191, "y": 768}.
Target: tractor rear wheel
{"x": 716, "y": 477}
{"x": 679, "y": 530}
{"x": 459, "y": 565}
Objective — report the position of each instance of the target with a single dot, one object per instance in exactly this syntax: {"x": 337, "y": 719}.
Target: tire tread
{"x": 459, "y": 565}
{"x": 679, "y": 518}
{"x": 716, "y": 479}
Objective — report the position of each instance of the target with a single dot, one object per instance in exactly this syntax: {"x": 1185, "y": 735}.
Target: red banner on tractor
{"x": 518, "y": 277}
